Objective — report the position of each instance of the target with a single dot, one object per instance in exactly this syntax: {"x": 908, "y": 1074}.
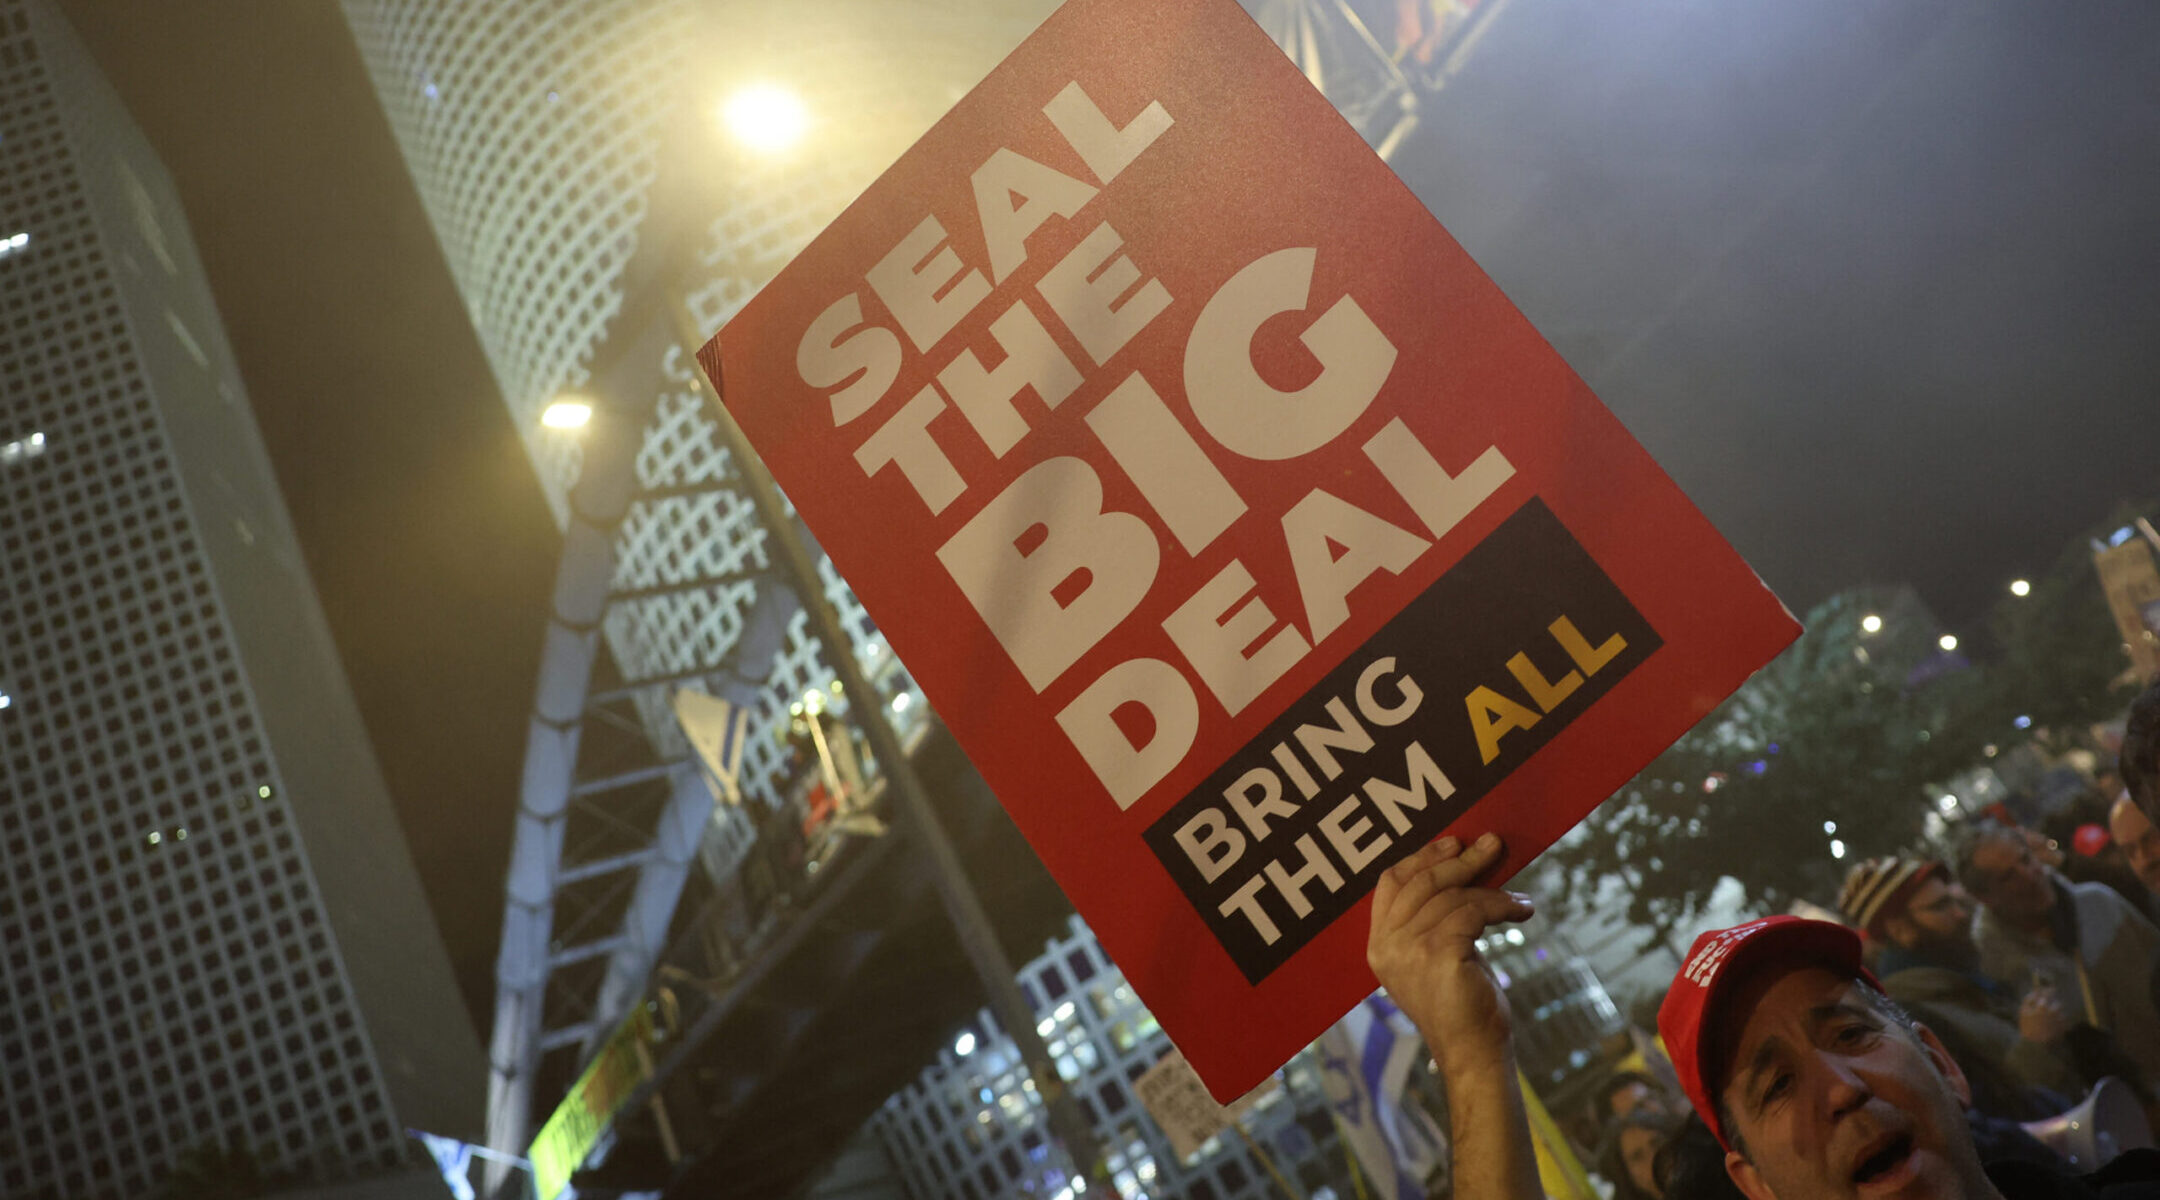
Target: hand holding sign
{"x": 1426, "y": 920}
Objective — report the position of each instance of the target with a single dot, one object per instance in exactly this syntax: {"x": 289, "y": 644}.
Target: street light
{"x": 765, "y": 117}
{"x": 566, "y": 414}
{"x": 2020, "y": 587}
{"x": 1947, "y": 641}
{"x": 1871, "y": 624}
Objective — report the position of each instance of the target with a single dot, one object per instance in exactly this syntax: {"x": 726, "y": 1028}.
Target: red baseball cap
{"x": 1716, "y": 963}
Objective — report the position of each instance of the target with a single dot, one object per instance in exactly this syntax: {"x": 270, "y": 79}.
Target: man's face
{"x": 2140, "y": 840}
{"x": 1938, "y": 917}
{"x": 1832, "y": 1100}
{"x": 2011, "y": 881}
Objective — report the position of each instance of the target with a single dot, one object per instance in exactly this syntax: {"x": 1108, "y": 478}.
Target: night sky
{"x": 1878, "y": 281}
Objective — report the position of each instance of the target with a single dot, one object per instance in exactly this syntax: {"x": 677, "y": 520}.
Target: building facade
{"x": 211, "y": 931}
{"x": 972, "y": 1126}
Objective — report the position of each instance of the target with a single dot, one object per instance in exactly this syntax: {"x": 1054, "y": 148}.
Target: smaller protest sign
{"x": 1173, "y": 1094}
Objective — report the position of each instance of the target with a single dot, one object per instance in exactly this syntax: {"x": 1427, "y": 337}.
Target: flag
{"x": 454, "y": 1159}
{"x": 1366, "y": 1060}
{"x": 718, "y": 732}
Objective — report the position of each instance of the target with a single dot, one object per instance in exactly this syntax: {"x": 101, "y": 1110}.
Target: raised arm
{"x": 1426, "y": 920}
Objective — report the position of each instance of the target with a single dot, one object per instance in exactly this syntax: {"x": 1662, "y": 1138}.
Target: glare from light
{"x": 9, "y": 245}
{"x": 1515, "y": 937}
{"x": 566, "y": 414}
{"x": 156, "y": 837}
{"x": 1871, "y": 624}
{"x": 1829, "y": 826}
{"x": 6, "y": 700}
{"x": 1045, "y": 1027}
{"x": 1064, "y": 1012}
{"x": 2023, "y": 722}
{"x": 901, "y": 702}
{"x": 1947, "y": 803}
{"x": 766, "y": 118}
{"x": 1837, "y": 848}
{"x": 964, "y": 1045}
{"x": 2020, "y": 587}
{"x": 263, "y": 791}
{"x": 1947, "y": 641}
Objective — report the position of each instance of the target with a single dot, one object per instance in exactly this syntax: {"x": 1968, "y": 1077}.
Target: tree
{"x": 1843, "y": 743}
{"x": 1823, "y": 756}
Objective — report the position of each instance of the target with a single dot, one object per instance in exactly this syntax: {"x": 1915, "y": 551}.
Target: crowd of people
{"x": 1913, "y": 1048}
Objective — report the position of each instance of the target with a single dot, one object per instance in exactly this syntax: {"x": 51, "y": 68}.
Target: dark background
{"x": 1878, "y": 281}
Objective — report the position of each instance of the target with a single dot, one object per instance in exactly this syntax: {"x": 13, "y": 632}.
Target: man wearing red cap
{"x": 1816, "y": 1084}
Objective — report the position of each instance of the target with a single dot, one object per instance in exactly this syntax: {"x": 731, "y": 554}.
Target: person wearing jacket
{"x": 2010, "y": 1045}
{"x": 2085, "y": 940}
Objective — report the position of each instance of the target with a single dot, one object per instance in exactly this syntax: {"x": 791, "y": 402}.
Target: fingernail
{"x": 1488, "y": 841}
{"x": 1522, "y": 897}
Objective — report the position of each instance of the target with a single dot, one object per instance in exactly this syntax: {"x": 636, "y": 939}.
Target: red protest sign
{"x": 1238, "y": 527}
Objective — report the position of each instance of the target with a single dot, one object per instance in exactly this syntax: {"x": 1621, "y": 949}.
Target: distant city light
{"x": 2020, "y": 587}
{"x": 6, "y": 700}
{"x": 263, "y": 791}
{"x": 12, "y": 243}
{"x": 2023, "y": 722}
{"x": 156, "y": 837}
{"x": 1829, "y": 826}
{"x": 1837, "y": 848}
{"x": 901, "y": 702}
{"x": 566, "y": 414}
{"x": 1871, "y": 624}
{"x": 766, "y": 118}
{"x": 1947, "y": 641}
{"x": 1947, "y": 803}
{"x": 964, "y": 1045}
{"x": 29, "y": 447}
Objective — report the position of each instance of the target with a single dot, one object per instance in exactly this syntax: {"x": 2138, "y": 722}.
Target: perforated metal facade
{"x": 532, "y": 131}
{"x": 176, "y": 734}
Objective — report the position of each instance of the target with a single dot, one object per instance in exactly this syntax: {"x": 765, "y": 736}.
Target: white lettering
{"x": 1015, "y": 590}
{"x": 1181, "y": 483}
{"x": 1243, "y": 411}
{"x": 870, "y": 357}
{"x": 1216, "y": 647}
{"x": 1127, "y": 770}
{"x": 910, "y": 278}
{"x": 1032, "y": 360}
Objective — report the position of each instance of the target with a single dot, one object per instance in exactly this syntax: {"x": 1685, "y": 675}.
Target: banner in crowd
{"x": 1238, "y": 527}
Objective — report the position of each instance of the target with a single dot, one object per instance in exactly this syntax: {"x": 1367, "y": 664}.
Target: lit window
{"x": 21, "y": 448}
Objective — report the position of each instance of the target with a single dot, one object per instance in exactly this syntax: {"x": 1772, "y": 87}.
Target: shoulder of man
{"x": 2134, "y": 1175}
{"x": 2102, "y": 911}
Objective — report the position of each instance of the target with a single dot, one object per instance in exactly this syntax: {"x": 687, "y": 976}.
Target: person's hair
{"x": 2139, "y": 763}
{"x": 1981, "y": 833}
{"x": 1893, "y": 1016}
{"x": 1612, "y": 1160}
{"x": 1691, "y": 1165}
